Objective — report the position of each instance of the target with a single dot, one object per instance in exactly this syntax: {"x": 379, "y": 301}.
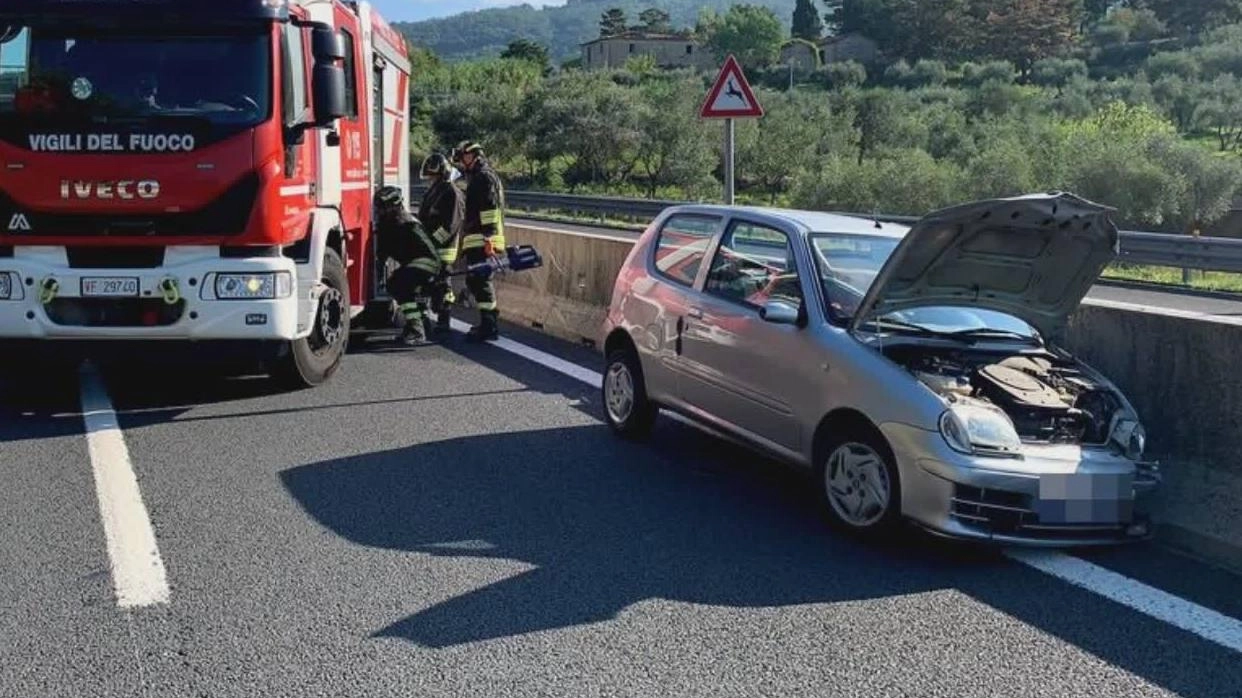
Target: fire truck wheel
{"x": 310, "y": 362}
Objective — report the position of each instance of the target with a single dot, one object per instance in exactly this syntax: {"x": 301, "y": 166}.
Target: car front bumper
{"x": 1057, "y": 496}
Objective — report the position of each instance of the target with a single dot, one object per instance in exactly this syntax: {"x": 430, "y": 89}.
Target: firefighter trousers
{"x": 411, "y": 286}
{"x": 483, "y": 290}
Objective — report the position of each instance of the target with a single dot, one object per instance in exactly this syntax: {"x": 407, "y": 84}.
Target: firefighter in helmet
{"x": 483, "y": 232}
{"x": 403, "y": 239}
{"x": 441, "y": 213}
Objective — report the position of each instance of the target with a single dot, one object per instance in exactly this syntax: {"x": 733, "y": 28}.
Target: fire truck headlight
{"x": 6, "y": 286}
{"x": 265, "y": 286}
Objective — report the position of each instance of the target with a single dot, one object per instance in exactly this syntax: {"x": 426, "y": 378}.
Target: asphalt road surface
{"x": 1177, "y": 301}
{"x": 457, "y": 521}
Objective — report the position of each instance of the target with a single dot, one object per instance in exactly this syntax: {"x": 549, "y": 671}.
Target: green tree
{"x": 1208, "y": 183}
{"x": 904, "y": 181}
{"x": 886, "y": 119}
{"x": 527, "y": 50}
{"x": 842, "y": 74}
{"x": 1095, "y": 10}
{"x": 1191, "y": 17}
{"x": 944, "y": 29}
{"x": 1024, "y": 31}
{"x": 656, "y": 21}
{"x": 1140, "y": 24}
{"x": 773, "y": 169}
{"x": 873, "y": 18}
{"x": 1057, "y": 72}
{"x": 676, "y": 148}
{"x": 806, "y": 21}
{"x": 1002, "y": 168}
{"x": 1179, "y": 99}
{"x": 927, "y": 72}
{"x": 1182, "y": 64}
{"x": 612, "y": 22}
{"x": 1219, "y": 110}
{"x": 752, "y": 33}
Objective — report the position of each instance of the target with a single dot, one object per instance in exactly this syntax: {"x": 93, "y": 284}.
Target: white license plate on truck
{"x": 110, "y": 286}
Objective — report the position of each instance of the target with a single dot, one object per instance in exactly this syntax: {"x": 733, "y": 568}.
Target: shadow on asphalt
{"x": 39, "y": 401}
{"x": 608, "y": 523}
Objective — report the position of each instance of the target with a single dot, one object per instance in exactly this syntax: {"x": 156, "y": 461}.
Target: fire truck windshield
{"x": 62, "y": 77}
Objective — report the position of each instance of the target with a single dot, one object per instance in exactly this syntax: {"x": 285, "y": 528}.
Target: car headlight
{"x": 1131, "y": 438}
{"x": 261, "y": 286}
{"x": 980, "y": 430}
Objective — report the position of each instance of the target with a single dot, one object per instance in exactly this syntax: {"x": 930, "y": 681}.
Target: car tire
{"x": 627, "y": 409}
{"x": 312, "y": 360}
{"x": 858, "y": 484}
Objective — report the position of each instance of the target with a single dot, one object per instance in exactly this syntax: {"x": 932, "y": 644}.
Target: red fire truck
{"x": 197, "y": 172}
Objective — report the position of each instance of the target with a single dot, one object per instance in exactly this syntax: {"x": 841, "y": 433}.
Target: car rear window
{"x": 682, "y": 246}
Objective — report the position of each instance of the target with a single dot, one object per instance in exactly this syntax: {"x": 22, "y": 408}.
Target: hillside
{"x": 561, "y": 29}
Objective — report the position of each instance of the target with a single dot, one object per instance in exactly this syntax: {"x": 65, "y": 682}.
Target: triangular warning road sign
{"x": 731, "y": 96}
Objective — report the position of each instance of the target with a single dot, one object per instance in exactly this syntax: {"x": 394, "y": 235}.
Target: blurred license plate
{"x": 110, "y": 286}
{"x": 1080, "y": 498}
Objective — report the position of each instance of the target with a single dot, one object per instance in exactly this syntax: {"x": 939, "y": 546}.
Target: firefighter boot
{"x": 488, "y": 328}
{"x": 444, "y": 313}
{"x": 413, "y": 334}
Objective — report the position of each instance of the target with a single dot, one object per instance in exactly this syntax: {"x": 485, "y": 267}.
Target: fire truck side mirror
{"x": 328, "y": 76}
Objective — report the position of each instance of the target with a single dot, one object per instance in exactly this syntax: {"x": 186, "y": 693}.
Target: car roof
{"x": 807, "y": 221}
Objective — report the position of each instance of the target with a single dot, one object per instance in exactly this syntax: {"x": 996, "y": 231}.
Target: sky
{"x": 415, "y": 10}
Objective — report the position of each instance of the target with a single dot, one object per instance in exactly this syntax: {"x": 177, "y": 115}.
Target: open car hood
{"x": 1033, "y": 257}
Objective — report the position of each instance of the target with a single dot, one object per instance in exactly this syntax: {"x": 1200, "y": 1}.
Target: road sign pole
{"x": 728, "y": 162}
{"x": 729, "y": 98}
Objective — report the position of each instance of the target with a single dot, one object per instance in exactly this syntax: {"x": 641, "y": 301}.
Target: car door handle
{"x": 695, "y": 313}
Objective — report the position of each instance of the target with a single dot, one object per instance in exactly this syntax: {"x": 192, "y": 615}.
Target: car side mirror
{"x": 779, "y": 313}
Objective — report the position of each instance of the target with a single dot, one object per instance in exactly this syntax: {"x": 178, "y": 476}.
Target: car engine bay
{"x": 1049, "y": 400}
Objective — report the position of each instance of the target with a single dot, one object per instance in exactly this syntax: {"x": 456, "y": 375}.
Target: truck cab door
{"x": 355, "y": 152}
{"x": 300, "y": 159}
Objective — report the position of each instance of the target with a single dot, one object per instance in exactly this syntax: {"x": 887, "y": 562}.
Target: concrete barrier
{"x": 1175, "y": 367}
{"x": 568, "y": 297}
{"x": 1178, "y": 370}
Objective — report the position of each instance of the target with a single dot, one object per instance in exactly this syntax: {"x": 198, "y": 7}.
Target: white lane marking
{"x": 138, "y": 575}
{"x": 1174, "y": 610}
{"x": 1204, "y": 622}
{"x": 542, "y": 358}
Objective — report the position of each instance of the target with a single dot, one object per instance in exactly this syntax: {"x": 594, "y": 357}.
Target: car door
{"x": 656, "y": 306}
{"x": 739, "y": 367}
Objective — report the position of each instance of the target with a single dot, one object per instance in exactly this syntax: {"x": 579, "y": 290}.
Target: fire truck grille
{"x": 114, "y": 312}
{"x": 225, "y": 216}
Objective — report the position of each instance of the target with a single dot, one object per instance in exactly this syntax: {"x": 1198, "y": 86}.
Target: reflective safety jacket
{"x": 442, "y": 212}
{"x": 485, "y": 200}
{"x": 403, "y": 239}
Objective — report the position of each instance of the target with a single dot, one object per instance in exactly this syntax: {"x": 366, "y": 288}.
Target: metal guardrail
{"x": 1137, "y": 247}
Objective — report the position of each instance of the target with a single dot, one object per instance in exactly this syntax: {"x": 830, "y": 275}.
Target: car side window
{"x": 753, "y": 265}
{"x": 682, "y": 245}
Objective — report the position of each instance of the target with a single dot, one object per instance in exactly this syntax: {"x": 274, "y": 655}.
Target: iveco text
{"x": 125, "y": 190}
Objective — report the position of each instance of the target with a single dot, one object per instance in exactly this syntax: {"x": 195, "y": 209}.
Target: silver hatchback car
{"x": 913, "y": 370}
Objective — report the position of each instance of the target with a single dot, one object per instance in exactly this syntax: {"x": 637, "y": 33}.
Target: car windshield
{"x": 52, "y": 76}
{"x": 848, "y": 265}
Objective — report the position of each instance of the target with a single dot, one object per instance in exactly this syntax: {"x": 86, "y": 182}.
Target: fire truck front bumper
{"x": 200, "y": 296}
